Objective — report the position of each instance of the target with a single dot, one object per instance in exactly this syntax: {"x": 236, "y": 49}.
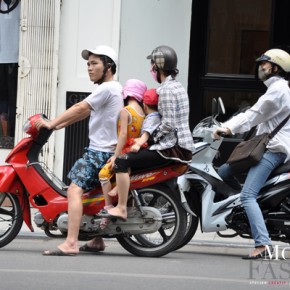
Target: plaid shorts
{"x": 85, "y": 171}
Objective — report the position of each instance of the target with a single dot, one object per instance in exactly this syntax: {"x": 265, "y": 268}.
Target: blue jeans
{"x": 255, "y": 180}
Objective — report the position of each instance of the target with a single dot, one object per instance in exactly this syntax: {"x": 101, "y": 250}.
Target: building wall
{"x": 83, "y": 24}
{"x": 132, "y": 27}
{"x": 126, "y": 25}
{"x": 150, "y": 23}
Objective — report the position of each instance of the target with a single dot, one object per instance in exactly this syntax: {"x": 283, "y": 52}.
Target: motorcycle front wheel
{"x": 192, "y": 221}
{"x": 170, "y": 233}
{"x": 10, "y": 218}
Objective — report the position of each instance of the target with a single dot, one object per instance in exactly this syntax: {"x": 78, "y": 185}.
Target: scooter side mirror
{"x": 214, "y": 107}
{"x": 221, "y": 107}
{"x": 217, "y": 107}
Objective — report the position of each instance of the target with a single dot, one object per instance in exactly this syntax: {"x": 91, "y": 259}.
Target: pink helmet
{"x": 135, "y": 89}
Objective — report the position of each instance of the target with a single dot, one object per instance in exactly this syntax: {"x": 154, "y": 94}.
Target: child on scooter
{"x": 172, "y": 138}
{"x": 129, "y": 126}
{"x": 151, "y": 122}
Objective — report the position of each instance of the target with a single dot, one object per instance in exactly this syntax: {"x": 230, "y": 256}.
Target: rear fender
{"x": 10, "y": 182}
{"x": 190, "y": 197}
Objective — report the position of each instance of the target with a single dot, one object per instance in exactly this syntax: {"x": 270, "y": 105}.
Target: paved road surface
{"x": 195, "y": 266}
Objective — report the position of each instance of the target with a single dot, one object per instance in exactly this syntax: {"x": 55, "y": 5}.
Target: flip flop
{"x": 262, "y": 255}
{"x": 86, "y": 248}
{"x": 57, "y": 252}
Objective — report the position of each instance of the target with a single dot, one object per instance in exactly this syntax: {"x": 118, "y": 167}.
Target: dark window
{"x": 238, "y": 33}
{"x": 226, "y": 38}
{"x": 76, "y": 136}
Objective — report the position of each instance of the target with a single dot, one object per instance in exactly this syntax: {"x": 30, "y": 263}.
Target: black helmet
{"x": 164, "y": 57}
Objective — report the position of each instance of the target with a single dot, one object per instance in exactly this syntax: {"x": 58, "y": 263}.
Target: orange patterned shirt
{"x": 135, "y": 123}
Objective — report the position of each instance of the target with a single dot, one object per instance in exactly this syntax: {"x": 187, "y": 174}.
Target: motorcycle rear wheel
{"x": 170, "y": 233}
{"x": 11, "y": 219}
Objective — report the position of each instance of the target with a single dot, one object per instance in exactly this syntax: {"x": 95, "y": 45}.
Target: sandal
{"x": 86, "y": 248}
{"x": 262, "y": 255}
{"x": 57, "y": 252}
{"x": 105, "y": 214}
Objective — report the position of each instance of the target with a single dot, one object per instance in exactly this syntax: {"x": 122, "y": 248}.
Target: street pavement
{"x": 207, "y": 262}
{"x": 192, "y": 267}
{"x": 195, "y": 266}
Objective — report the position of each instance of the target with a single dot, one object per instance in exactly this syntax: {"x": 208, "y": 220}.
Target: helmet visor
{"x": 263, "y": 57}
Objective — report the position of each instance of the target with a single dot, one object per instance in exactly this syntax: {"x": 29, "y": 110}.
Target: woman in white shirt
{"x": 269, "y": 111}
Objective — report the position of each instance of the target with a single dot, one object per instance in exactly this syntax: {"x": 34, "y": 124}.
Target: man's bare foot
{"x": 95, "y": 245}
{"x": 258, "y": 250}
{"x": 63, "y": 249}
{"x": 96, "y": 242}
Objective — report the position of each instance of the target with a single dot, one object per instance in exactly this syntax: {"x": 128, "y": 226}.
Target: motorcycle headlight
{"x": 26, "y": 126}
{"x": 29, "y": 126}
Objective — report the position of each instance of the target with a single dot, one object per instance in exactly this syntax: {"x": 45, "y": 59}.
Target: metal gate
{"x": 38, "y": 65}
{"x": 76, "y": 136}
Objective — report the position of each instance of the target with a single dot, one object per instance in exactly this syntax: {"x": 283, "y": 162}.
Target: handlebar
{"x": 222, "y": 134}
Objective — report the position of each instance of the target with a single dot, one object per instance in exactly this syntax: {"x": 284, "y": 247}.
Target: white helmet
{"x": 101, "y": 50}
{"x": 278, "y": 57}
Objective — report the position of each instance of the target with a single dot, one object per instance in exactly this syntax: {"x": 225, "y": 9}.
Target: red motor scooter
{"x": 156, "y": 219}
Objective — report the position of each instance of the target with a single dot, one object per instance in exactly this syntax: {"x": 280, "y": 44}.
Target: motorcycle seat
{"x": 283, "y": 168}
{"x": 138, "y": 170}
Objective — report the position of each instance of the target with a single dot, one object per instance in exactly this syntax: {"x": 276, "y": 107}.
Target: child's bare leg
{"x": 123, "y": 184}
{"x": 106, "y": 187}
{"x": 113, "y": 192}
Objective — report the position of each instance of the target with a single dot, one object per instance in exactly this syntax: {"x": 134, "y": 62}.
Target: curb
{"x": 32, "y": 235}
{"x": 207, "y": 243}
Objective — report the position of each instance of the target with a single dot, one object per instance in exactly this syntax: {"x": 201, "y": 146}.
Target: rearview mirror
{"x": 214, "y": 107}
{"x": 217, "y": 107}
{"x": 221, "y": 107}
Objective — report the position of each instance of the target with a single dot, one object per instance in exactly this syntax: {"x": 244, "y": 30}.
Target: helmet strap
{"x": 158, "y": 77}
{"x": 156, "y": 68}
{"x": 101, "y": 80}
